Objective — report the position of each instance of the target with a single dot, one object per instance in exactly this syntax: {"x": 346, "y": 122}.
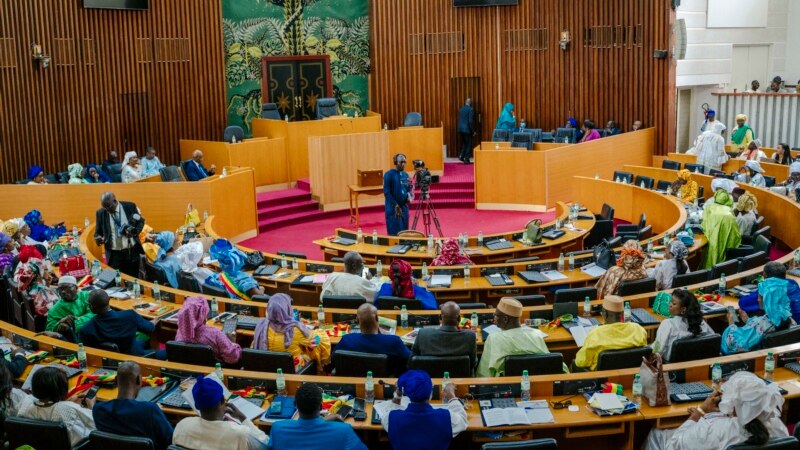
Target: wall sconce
{"x": 39, "y": 56}
{"x": 565, "y": 40}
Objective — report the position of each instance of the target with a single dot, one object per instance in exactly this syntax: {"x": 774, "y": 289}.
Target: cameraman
{"x": 397, "y": 194}
{"x": 117, "y": 227}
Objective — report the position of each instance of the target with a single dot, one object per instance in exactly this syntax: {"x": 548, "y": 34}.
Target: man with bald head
{"x": 350, "y": 281}
{"x": 117, "y": 327}
{"x": 129, "y": 417}
{"x": 117, "y": 228}
{"x": 195, "y": 170}
{"x": 370, "y": 340}
{"x": 446, "y": 339}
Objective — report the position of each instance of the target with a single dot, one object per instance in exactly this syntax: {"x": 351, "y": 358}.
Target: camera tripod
{"x": 425, "y": 207}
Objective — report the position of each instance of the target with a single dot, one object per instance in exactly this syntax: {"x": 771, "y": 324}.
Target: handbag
{"x": 74, "y": 266}
{"x": 254, "y": 259}
{"x": 661, "y": 304}
{"x": 603, "y": 255}
{"x": 534, "y": 231}
{"x": 655, "y": 384}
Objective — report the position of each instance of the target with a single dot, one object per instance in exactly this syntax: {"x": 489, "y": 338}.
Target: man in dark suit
{"x": 117, "y": 227}
{"x": 195, "y": 171}
{"x": 447, "y": 339}
{"x": 466, "y": 120}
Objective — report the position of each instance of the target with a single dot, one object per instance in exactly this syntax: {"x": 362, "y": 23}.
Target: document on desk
{"x": 538, "y": 411}
{"x": 579, "y": 334}
{"x": 554, "y": 275}
{"x": 593, "y": 270}
{"x": 441, "y": 281}
{"x": 495, "y": 417}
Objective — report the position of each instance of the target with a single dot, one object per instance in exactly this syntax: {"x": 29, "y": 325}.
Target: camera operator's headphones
{"x": 394, "y": 159}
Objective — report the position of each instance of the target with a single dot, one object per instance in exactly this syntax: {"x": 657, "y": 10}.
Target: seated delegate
{"x": 446, "y": 339}
{"x": 614, "y": 334}
{"x": 403, "y": 286}
{"x": 370, "y": 340}
{"x": 195, "y": 170}
{"x": 192, "y": 328}
{"x": 629, "y": 267}
{"x": 686, "y": 320}
{"x": 673, "y": 264}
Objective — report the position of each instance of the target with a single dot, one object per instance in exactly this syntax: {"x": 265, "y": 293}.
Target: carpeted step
{"x": 308, "y": 207}
{"x": 304, "y": 184}
{"x": 283, "y": 197}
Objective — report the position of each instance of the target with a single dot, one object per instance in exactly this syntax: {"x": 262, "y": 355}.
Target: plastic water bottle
{"x": 473, "y": 320}
{"x": 86, "y": 222}
{"x": 379, "y": 269}
{"x": 295, "y": 265}
{"x": 480, "y": 238}
{"x": 797, "y": 259}
{"x": 284, "y": 263}
{"x": 560, "y": 267}
{"x": 359, "y": 236}
{"x": 75, "y": 232}
{"x": 280, "y": 383}
{"x": 214, "y": 307}
{"x": 385, "y": 126}
{"x": 571, "y": 261}
{"x": 769, "y": 367}
{"x": 96, "y": 268}
{"x": 218, "y": 372}
{"x": 82, "y": 357}
{"x": 205, "y": 215}
{"x": 286, "y": 118}
{"x": 424, "y": 271}
{"x": 649, "y": 246}
{"x": 723, "y": 285}
{"x": 617, "y": 180}
{"x": 525, "y": 387}
{"x": 430, "y": 243}
{"x": 525, "y": 236}
{"x": 321, "y": 314}
{"x": 637, "y": 389}
{"x": 497, "y": 146}
{"x": 641, "y": 185}
{"x": 233, "y": 139}
{"x": 445, "y": 380}
{"x": 716, "y": 375}
{"x": 369, "y": 388}
{"x": 587, "y": 307}
{"x": 295, "y": 314}
{"x": 403, "y": 317}
{"x": 466, "y": 273}
{"x": 374, "y": 236}
{"x": 224, "y": 172}
{"x": 626, "y": 311}
{"x": 156, "y": 292}
{"x": 118, "y": 278}
{"x": 136, "y": 289}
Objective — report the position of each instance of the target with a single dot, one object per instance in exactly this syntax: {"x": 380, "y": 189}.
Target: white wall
{"x": 793, "y": 38}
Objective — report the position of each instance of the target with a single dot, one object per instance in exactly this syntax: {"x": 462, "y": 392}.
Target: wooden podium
{"x": 266, "y": 156}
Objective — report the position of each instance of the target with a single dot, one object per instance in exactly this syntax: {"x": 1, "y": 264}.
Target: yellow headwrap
{"x": 747, "y": 202}
{"x": 684, "y": 174}
{"x": 11, "y": 227}
{"x": 741, "y": 117}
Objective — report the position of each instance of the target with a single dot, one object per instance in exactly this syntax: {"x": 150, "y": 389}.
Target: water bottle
{"x": 295, "y": 314}
{"x": 649, "y": 246}
{"x": 525, "y": 387}
{"x": 218, "y": 372}
{"x": 280, "y": 383}
{"x": 560, "y": 267}
{"x": 321, "y": 314}
{"x": 769, "y": 367}
{"x": 641, "y": 185}
{"x": 295, "y": 265}
{"x": 205, "y": 215}
{"x": 75, "y": 232}
{"x": 627, "y": 312}
{"x": 617, "y": 180}
{"x": 666, "y": 240}
{"x": 480, "y": 238}
{"x": 374, "y": 236}
{"x": 596, "y": 176}
{"x": 716, "y": 375}
{"x": 286, "y": 118}
{"x": 118, "y": 278}
{"x": 284, "y": 263}
{"x": 359, "y": 236}
{"x": 571, "y": 261}
{"x": 430, "y": 243}
{"x": 723, "y": 285}
{"x": 466, "y": 273}
{"x": 214, "y": 307}
{"x": 424, "y": 271}
{"x": 445, "y": 380}
{"x": 525, "y": 236}
{"x": 369, "y": 388}
{"x": 224, "y": 172}
{"x": 637, "y": 389}
{"x": 136, "y": 289}
{"x": 460, "y": 240}
{"x": 82, "y": 357}
{"x": 379, "y": 269}
{"x": 233, "y": 139}
{"x": 473, "y": 320}
{"x": 156, "y": 292}
{"x": 403, "y": 317}
{"x": 96, "y": 268}
{"x": 385, "y": 126}
{"x": 86, "y": 222}
{"x": 587, "y": 307}
{"x": 497, "y": 146}
{"x": 797, "y": 259}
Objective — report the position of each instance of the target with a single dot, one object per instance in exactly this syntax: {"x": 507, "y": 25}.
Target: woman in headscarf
{"x": 790, "y": 186}
{"x": 131, "y": 169}
{"x": 710, "y": 147}
{"x": 231, "y": 260}
{"x": 41, "y": 232}
{"x": 684, "y": 187}
{"x": 7, "y": 247}
{"x": 403, "y": 285}
{"x": 451, "y": 255}
{"x": 192, "y": 328}
{"x": 95, "y": 175}
{"x": 630, "y": 266}
{"x": 280, "y": 332}
{"x": 165, "y": 257}
{"x": 750, "y": 173}
{"x": 720, "y": 227}
{"x": 36, "y": 175}
{"x": 674, "y": 263}
{"x": 590, "y": 132}
{"x": 147, "y": 238}
{"x": 507, "y": 119}
{"x": 75, "y": 174}
{"x": 745, "y": 411}
{"x": 31, "y": 276}
{"x": 190, "y": 255}
{"x": 774, "y": 301}
{"x": 745, "y": 213}
{"x": 783, "y": 155}
{"x": 753, "y": 151}
{"x": 742, "y": 134}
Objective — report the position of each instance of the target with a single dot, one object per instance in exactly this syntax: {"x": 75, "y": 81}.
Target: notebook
{"x": 441, "y": 281}
{"x": 532, "y": 276}
{"x": 499, "y": 279}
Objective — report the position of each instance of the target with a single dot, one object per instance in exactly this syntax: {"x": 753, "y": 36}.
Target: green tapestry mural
{"x": 256, "y": 28}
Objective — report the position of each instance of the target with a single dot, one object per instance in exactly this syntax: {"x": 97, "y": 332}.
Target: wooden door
{"x": 295, "y": 83}
{"x": 462, "y": 88}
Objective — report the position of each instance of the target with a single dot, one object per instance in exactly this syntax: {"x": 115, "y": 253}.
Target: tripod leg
{"x": 432, "y": 212}
{"x": 416, "y": 216}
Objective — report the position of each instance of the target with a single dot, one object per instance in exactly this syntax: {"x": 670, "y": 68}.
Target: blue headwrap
{"x": 39, "y": 231}
{"x": 773, "y": 292}
{"x": 711, "y": 112}
{"x": 34, "y": 171}
{"x": 4, "y": 240}
{"x": 102, "y": 177}
{"x": 416, "y": 385}
{"x": 164, "y": 240}
{"x": 230, "y": 259}
{"x": 573, "y": 123}
{"x": 33, "y": 217}
{"x": 206, "y": 393}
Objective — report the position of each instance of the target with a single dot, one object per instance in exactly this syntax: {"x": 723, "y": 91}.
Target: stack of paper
{"x": 554, "y": 275}
{"x": 593, "y": 270}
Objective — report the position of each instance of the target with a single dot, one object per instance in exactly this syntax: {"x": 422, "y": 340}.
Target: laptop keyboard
{"x": 175, "y": 400}
{"x": 689, "y": 392}
{"x": 398, "y": 249}
{"x": 247, "y": 322}
{"x": 643, "y": 317}
{"x": 499, "y": 244}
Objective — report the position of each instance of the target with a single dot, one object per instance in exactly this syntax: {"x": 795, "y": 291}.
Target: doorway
{"x": 462, "y": 88}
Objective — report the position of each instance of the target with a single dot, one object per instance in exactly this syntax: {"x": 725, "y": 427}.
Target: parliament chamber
{"x": 313, "y": 117}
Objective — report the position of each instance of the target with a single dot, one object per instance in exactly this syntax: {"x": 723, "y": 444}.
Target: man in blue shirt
{"x": 129, "y": 417}
{"x": 370, "y": 340}
{"x": 118, "y": 327}
{"x": 396, "y": 190}
{"x": 310, "y": 431}
{"x": 195, "y": 170}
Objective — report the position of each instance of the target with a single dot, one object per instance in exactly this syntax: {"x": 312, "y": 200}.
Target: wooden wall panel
{"x": 616, "y": 78}
{"x": 117, "y": 80}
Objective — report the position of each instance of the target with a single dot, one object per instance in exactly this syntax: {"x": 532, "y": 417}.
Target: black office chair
{"x": 233, "y": 131}
{"x": 213, "y": 291}
{"x": 769, "y": 181}
{"x": 788, "y": 336}
{"x": 343, "y": 301}
{"x": 535, "y": 444}
{"x": 757, "y": 259}
{"x": 536, "y": 134}
{"x": 762, "y": 244}
{"x": 633, "y": 287}
{"x": 109, "y": 346}
{"x": 728, "y": 268}
{"x": 765, "y": 231}
{"x": 606, "y": 213}
{"x": 663, "y": 185}
{"x": 693, "y": 348}
{"x": 565, "y": 133}
{"x": 631, "y": 231}
{"x": 531, "y": 300}
{"x": 717, "y": 173}
{"x": 115, "y": 172}
{"x": 436, "y": 366}
{"x": 689, "y": 278}
{"x": 385, "y": 302}
{"x": 626, "y": 177}
{"x": 170, "y": 174}
{"x": 622, "y": 359}
{"x": 521, "y": 140}
{"x": 37, "y": 433}
{"x": 471, "y": 306}
{"x": 155, "y": 273}
{"x": 671, "y": 165}
{"x": 602, "y": 230}
{"x": 270, "y": 111}
{"x": 62, "y": 177}
{"x": 187, "y": 282}
{"x": 268, "y": 361}
{"x": 184, "y": 164}
{"x": 776, "y": 443}
{"x": 694, "y": 168}
{"x": 574, "y": 294}
{"x": 357, "y": 364}
{"x": 648, "y": 182}
{"x": 100, "y": 440}
{"x": 186, "y": 353}
{"x": 326, "y": 107}
{"x": 413, "y": 119}
{"x": 499, "y": 135}
{"x": 541, "y": 364}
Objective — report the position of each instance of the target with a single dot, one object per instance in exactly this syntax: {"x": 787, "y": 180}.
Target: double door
{"x": 295, "y": 83}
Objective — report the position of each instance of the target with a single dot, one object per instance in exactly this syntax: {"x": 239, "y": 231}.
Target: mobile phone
{"x": 275, "y": 408}
{"x": 141, "y": 305}
{"x": 92, "y": 392}
{"x": 732, "y": 313}
{"x": 358, "y": 404}
{"x": 344, "y": 411}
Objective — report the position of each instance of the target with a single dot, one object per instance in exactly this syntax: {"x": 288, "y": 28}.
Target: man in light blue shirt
{"x": 151, "y": 164}
{"x": 310, "y": 431}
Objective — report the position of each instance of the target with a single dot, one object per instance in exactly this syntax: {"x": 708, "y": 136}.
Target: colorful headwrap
{"x": 191, "y": 319}
{"x": 773, "y": 292}
{"x": 206, "y": 393}
{"x": 451, "y": 255}
{"x": 164, "y": 240}
{"x": 678, "y": 249}
{"x": 711, "y": 112}
{"x": 684, "y": 175}
{"x": 33, "y": 217}
{"x": 27, "y": 273}
{"x": 75, "y": 171}
{"x": 754, "y": 165}
{"x": 723, "y": 183}
{"x": 416, "y": 385}
{"x": 128, "y": 157}
{"x": 685, "y": 186}
{"x": 721, "y": 197}
{"x": 28, "y": 252}
{"x": 280, "y": 318}
{"x": 11, "y": 226}
{"x": 34, "y": 171}
{"x": 4, "y": 240}
{"x": 102, "y": 177}
{"x": 400, "y": 273}
{"x": 631, "y": 254}
{"x": 747, "y": 202}
{"x": 572, "y": 122}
